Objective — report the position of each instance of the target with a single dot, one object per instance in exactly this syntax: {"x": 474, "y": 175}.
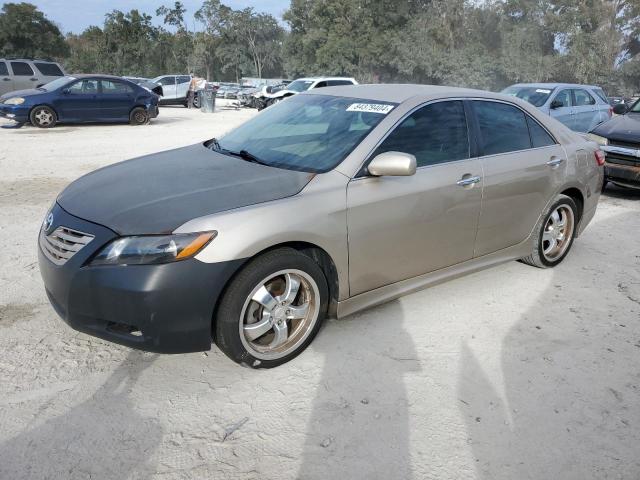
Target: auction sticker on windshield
{"x": 370, "y": 108}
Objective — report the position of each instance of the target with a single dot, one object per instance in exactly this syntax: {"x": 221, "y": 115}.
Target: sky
{"x": 76, "y": 15}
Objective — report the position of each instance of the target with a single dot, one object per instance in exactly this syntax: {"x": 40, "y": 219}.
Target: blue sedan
{"x": 79, "y": 99}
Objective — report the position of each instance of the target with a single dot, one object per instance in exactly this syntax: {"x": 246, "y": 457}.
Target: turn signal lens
{"x": 599, "y": 157}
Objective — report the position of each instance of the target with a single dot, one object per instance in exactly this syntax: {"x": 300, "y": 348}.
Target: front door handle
{"x": 466, "y": 181}
{"x": 555, "y": 161}
{"x": 6, "y": 79}
{"x": 33, "y": 79}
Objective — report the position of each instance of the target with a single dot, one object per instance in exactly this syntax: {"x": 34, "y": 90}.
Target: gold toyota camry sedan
{"x": 325, "y": 204}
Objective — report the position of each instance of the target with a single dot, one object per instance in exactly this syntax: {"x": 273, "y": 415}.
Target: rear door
{"x": 564, "y": 113}
{"x": 116, "y": 99}
{"x": 23, "y": 76}
{"x": 80, "y": 101}
{"x": 586, "y": 115}
{"x": 523, "y": 167}
{"x": 6, "y": 81}
{"x": 402, "y": 227}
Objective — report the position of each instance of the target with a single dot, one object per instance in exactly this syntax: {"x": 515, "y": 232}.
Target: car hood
{"x": 282, "y": 93}
{"x": 21, "y": 93}
{"x": 625, "y": 128}
{"x": 159, "y": 192}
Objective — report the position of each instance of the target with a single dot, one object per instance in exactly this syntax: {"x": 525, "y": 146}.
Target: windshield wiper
{"x": 243, "y": 154}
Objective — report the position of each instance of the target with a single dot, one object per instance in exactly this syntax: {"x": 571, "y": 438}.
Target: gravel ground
{"x": 509, "y": 373}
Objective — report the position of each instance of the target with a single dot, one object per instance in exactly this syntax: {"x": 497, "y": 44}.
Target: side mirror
{"x": 393, "y": 164}
{"x": 620, "y": 109}
{"x": 556, "y": 104}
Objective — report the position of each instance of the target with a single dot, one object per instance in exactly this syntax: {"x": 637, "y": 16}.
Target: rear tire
{"x": 139, "y": 116}
{"x": 294, "y": 297}
{"x": 554, "y": 233}
{"x": 43, "y": 117}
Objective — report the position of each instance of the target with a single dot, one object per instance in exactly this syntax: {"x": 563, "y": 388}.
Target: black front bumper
{"x": 625, "y": 175}
{"x": 159, "y": 308}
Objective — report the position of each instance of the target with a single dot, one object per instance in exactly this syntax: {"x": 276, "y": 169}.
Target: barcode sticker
{"x": 370, "y": 108}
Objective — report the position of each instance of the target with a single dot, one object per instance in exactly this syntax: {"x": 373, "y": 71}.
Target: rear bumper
{"x": 19, "y": 113}
{"x": 159, "y": 308}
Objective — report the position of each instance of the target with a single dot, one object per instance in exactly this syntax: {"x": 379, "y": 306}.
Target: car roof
{"x": 19, "y": 59}
{"x": 398, "y": 93}
{"x": 553, "y": 85}
{"x": 315, "y": 79}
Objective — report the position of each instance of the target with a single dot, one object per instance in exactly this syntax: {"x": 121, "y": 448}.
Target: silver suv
{"x": 579, "y": 107}
{"x": 23, "y": 73}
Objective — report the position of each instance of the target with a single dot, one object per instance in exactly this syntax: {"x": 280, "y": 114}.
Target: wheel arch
{"x": 576, "y": 195}
{"x": 48, "y": 105}
{"x": 313, "y": 251}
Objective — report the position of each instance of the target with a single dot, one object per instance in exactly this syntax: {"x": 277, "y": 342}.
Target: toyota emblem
{"x": 48, "y": 221}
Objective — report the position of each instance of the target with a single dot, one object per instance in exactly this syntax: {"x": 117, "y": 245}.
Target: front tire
{"x": 139, "y": 116}
{"x": 272, "y": 309}
{"x": 43, "y": 117}
{"x": 555, "y": 233}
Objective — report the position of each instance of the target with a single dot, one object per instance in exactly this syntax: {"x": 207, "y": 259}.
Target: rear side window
{"x": 21, "y": 69}
{"x": 503, "y": 127}
{"x": 335, "y": 83}
{"x": 49, "y": 69}
{"x": 582, "y": 98}
{"x": 110, "y": 88}
{"x": 539, "y": 136}
{"x": 3, "y": 69}
{"x": 436, "y": 133}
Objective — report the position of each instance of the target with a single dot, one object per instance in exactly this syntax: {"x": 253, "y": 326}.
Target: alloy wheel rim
{"x": 140, "y": 117}
{"x": 558, "y": 232}
{"x": 43, "y": 117}
{"x": 279, "y": 314}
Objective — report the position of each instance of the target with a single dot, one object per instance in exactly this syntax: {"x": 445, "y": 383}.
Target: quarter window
{"x": 539, "y": 136}
{"x": 3, "y": 69}
{"x": 503, "y": 127}
{"x": 436, "y": 133}
{"x": 49, "y": 69}
{"x": 21, "y": 69}
{"x": 583, "y": 98}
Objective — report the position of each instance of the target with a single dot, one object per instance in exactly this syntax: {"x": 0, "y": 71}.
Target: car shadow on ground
{"x": 101, "y": 437}
{"x": 567, "y": 406}
{"x": 359, "y": 425}
{"x": 615, "y": 191}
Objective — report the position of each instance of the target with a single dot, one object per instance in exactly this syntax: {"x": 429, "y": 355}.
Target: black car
{"x": 620, "y": 140}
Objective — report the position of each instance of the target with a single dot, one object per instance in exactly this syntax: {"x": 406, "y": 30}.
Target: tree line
{"x": 488, "y": 44}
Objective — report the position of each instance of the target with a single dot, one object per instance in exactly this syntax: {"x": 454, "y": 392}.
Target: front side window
{"x": 166, "y": 81}
{"x": 299, "y": 85}
{"x": 112, "y": 88}
{"x": 184, "y": 79}
{"x": 564, "y": 99}
{"x": 436, "y": 133}
{"x": 3, "y": 69}
{"x": 21, "y": 69}
{"x": 49, "y": 69}
{"x": 310, "y": 133}
{"x": 503, "y": 127}
{"x": 334, "y": 83}
{"x": 320, "y": 84}
{"x": 84, "y": 87}
{"x": 583, "y": 98}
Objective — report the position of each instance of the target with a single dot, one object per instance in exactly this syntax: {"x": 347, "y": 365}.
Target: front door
{"x": 523, "y": 167}
{"x": 402, "y": 227}
{"x": 564, "y": 111}
{"x": 168, "y": 88}
{"x": 79, "y": 101}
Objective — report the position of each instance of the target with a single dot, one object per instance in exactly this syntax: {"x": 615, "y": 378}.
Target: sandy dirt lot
{"x": 510, "y": 373}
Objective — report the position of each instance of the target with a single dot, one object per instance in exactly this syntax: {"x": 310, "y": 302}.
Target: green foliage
{"x": 26, "y": 32}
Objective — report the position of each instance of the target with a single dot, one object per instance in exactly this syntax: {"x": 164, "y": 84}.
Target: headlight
{"x": 152, "y": 249}
{"x": 14, "y": 101}
{"x": 598, "y": 139}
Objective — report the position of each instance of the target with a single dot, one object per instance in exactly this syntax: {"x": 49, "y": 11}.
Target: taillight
{"x": 599, "y": 157}
{"x": 610, "y": 112}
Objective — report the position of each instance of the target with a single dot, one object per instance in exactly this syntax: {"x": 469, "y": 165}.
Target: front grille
{"x": 63, "y": 243}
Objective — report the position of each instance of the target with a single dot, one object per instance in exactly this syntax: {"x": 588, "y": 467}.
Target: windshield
{"x": 60, "y": 82}
{"x": 309, "y": 133}
{"x": 299, "y": 85}
{"x": 537, "y": 96}
{"x": 636, "y": 107}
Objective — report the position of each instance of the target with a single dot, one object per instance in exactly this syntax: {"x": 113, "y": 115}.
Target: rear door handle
{"x": 466, "y": 181}
{"x": 555, "y": 161}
